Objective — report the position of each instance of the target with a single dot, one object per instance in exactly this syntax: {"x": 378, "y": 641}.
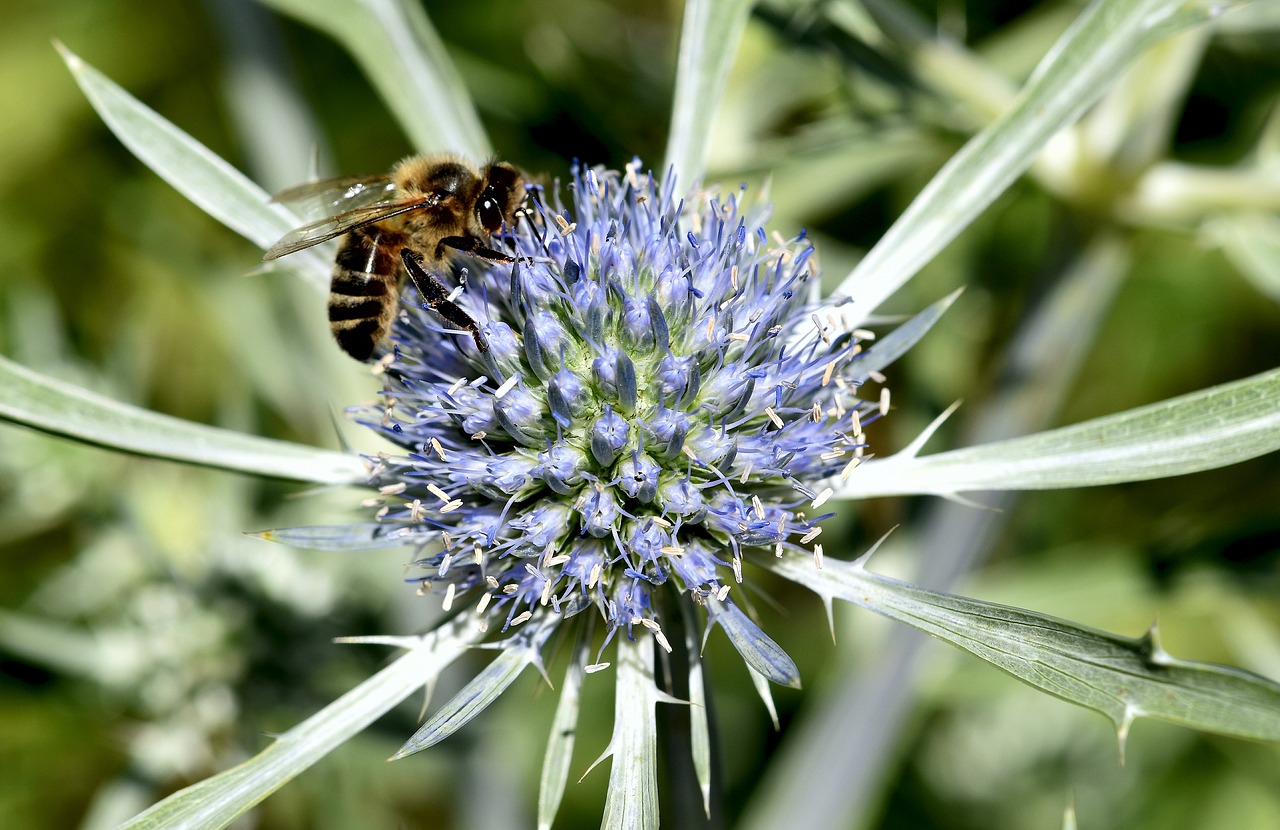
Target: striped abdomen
{"x": 364, "y": 289}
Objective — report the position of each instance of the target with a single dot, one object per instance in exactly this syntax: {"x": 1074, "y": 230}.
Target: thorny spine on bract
{"x": 661, "y": 394}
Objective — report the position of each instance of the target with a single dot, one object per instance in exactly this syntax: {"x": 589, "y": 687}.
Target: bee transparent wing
{"x": 326, "y": 229}
{"x": 337, "y": 195}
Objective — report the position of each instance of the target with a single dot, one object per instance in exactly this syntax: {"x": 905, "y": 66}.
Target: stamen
{"x": 507, "y": 386}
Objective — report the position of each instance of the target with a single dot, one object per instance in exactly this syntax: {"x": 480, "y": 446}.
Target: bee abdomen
{"x": 363, "y": 292}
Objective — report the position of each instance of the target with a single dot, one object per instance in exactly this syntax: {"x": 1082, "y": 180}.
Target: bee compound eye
{"x": 489, "y": 214}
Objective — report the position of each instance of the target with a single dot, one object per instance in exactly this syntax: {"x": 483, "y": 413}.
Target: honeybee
{"x": 411, "y": 221}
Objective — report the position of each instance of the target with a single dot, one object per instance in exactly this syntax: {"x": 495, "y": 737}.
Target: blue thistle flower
{"x": 655, "y": 406}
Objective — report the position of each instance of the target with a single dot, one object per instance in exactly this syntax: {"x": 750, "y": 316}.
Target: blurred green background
{"x": 146, "y": 643}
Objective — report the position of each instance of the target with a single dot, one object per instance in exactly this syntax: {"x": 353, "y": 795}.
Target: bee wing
{"x": 338, "y": 194}
{"x": 326, "y": 229}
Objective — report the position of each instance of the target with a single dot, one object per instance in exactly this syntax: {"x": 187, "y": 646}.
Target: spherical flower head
{"x": 657, "y": 400}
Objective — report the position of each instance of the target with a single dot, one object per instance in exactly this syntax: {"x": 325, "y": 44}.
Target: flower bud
{"x": 561, "y": 468}
{"x": 599, "y": 511}
{"x": 520, "y": 414}
{"x": 638, "y": 477}
{"x": 567, "y": 395}
{"x": 666, "y": 431}
{"x": 678, "y": 497}
{"x": 544, "y": 341}
{"x": 608, "y": 436}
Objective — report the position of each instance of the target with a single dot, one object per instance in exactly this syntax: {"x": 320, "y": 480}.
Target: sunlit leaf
{"x": 899, "y": 341}
{"x": 397, "y": 47}
{"x": 366, "y": 536}
{"x": 1106, "y": 37}
{"x": 699, "y": 730}
{"x": 760, "y": 652}
{"x": 53, "y": 406}
{"x": 564, "y": 731}
{"x": 193, "y": 170}
{"x": 632, "y": 803}
{"x": 218, "y": 801}
{"x": 1120, "y": 677}
{"x": 708, "y": 43}
{"x": 516, "y": 654}
{"x": 475, "y": 697}
{"x": 1204, "y": 430}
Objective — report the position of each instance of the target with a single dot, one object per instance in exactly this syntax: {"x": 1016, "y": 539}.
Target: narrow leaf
{"x": 699, "y": 730}
{"x": 192, "y": 169}
{"x": 397, "y": 47}
{"x": 632, "y": 803}
{"x": 475, "y": 697}
{"x": 1090, "y": 54}
{"x": 564, "y": 731}
{"x": 218, "y": 801}
{"x": 60, "y": 408}
{"x": 365, "y": 536}
{"x": 1204, "y": 430}
{"x": 1122, "y": 678}
{"x": 899, "y": 341}
{"x": 760, "y": 652}
{"x": 709, "y": 40}
{"x": 765, "y": 691}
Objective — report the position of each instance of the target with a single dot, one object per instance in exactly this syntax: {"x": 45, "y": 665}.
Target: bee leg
{"x": 430, "y": 288}
{"x": 471, "y": 245}
{"x": 433, "y": 292}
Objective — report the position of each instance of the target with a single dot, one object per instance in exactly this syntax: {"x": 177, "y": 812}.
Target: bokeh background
{"x": 146, "y": 642}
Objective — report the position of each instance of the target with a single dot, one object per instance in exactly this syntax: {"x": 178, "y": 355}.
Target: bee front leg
{"x": 471, "y": 245}
{"x": 434, "y": 294}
